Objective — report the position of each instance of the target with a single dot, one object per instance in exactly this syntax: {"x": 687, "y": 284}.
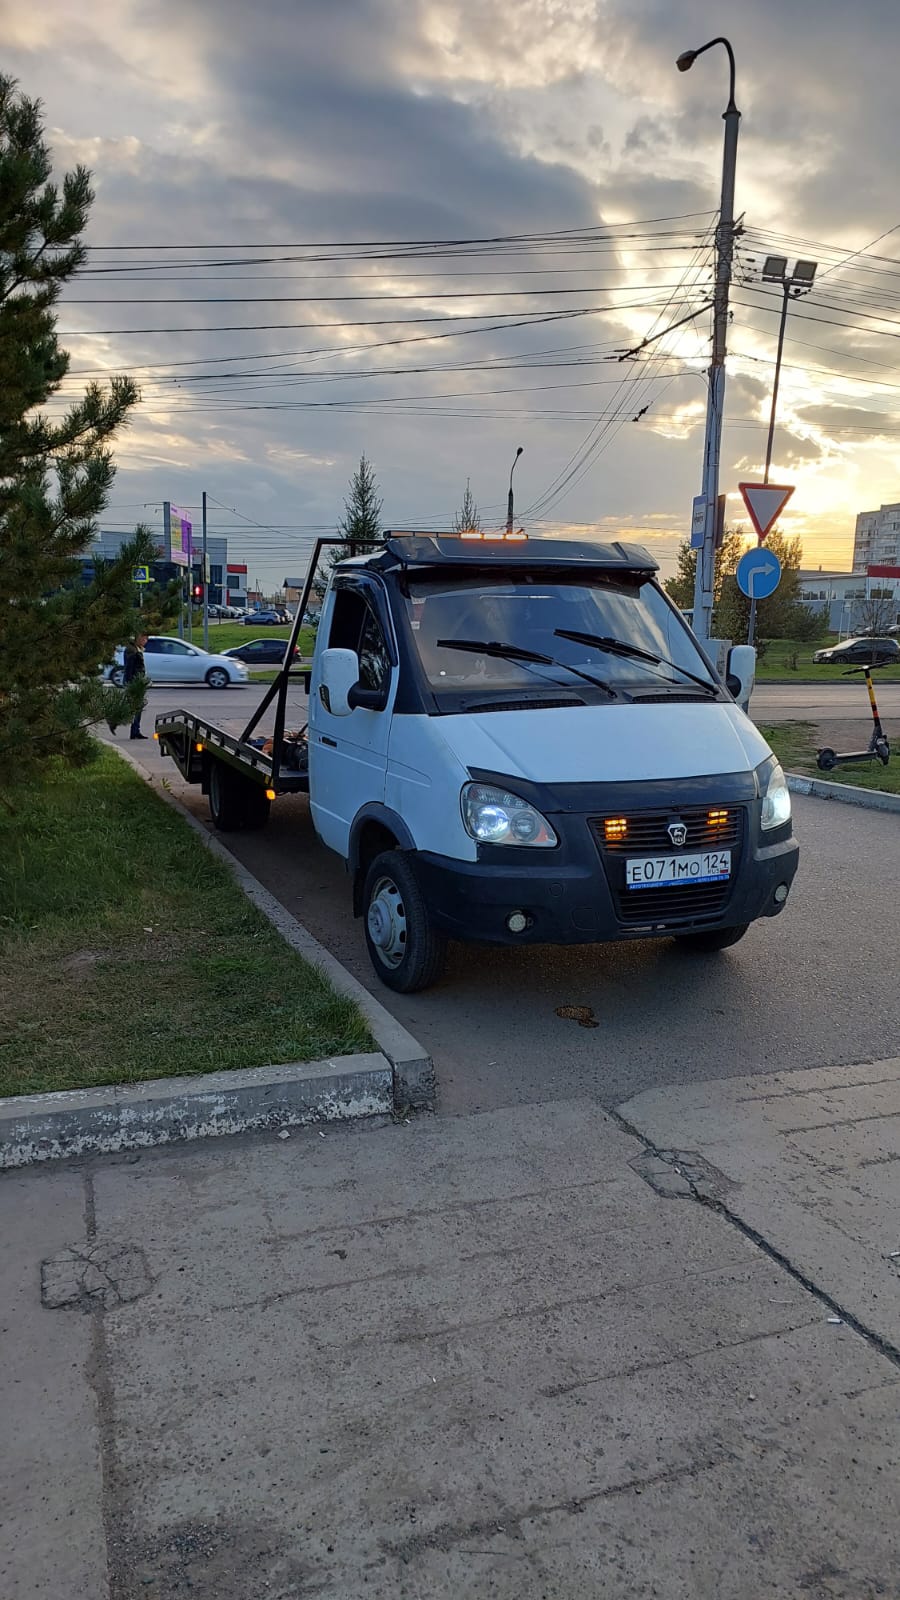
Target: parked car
{"x": 175, "y": 661}
{"x": 860, "y": 653}
{"x": 265, "y": 619}
{"x": 261, "y": 652}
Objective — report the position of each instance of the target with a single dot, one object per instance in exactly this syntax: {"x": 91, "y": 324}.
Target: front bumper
{"x": 575, "y": 894}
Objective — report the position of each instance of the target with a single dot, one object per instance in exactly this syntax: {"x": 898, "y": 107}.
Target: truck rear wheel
{"x": 407, "y": 952}
{"x": 235, "y": 802}
{"x": 715, "y": 939}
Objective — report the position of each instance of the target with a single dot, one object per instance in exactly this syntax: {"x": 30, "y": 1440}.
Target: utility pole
{"x": 715, "y": 407}
{"x": 205, "y": 578}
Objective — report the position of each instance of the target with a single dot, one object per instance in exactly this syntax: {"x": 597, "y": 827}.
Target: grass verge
{"x": 795, "y": 744}
{"x": 791, "y": 661}
{"x": 225, "y": 635}
{"x": 128, "y": 952}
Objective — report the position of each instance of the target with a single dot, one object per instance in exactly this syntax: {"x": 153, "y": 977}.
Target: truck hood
{"x": 607, "y": 744}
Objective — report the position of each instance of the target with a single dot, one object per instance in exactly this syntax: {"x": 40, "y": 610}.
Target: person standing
{"x": 134, "y": 668}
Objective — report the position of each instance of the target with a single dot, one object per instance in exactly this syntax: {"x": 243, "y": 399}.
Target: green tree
{"x": 360, "y": 526}
{"x": 468, "y": 516}
{"x": 55, "y": 474}
{"x": 680, "y": 588}
{"x": 782, "y": 616}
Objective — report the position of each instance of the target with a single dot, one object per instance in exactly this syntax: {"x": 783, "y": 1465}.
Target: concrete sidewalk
{"x": 812, "y": 1163}
{"x": 467, "y": 1357}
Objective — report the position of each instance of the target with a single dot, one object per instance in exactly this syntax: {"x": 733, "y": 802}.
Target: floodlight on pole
{"x": 712, "y": 444}
{"x": 797, "y": 281}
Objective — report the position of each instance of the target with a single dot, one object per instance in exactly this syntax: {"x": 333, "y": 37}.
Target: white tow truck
{"x": 513, "y": 741}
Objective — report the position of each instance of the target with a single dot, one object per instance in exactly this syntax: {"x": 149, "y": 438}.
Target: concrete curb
{"x": 132, "y": 1116}
{"x": 869, "y": 799}
{"x": 414, "y": 1079}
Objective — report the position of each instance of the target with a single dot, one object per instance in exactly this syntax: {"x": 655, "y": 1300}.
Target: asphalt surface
{"x": 825, "y": 702}
{"x": 813, "y": 987}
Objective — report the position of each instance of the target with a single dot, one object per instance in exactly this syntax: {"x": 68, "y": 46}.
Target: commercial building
{"x": 877, "y": 539}
{"x": 227, "y": 580}
{"x": 844, "y": 599}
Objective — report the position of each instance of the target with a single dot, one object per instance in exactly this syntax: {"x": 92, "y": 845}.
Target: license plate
{"x": 660, "y": 872}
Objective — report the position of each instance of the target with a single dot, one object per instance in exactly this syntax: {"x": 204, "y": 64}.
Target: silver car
{"x": 175, "y": 661}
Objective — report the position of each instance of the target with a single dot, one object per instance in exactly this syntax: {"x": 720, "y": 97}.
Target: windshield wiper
{"x": 515, "y": 652}
{"x": 620, "y": 647}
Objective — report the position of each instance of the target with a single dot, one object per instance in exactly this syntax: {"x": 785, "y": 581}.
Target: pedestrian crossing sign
{"x": 141, "y": 575}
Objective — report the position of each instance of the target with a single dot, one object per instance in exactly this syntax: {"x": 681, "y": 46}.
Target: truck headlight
{"x": 776, "y": 803}
{"x": 493, "y": 816}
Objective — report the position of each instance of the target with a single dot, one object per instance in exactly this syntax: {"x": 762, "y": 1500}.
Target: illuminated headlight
{"x": 492, "y": 816}
{"x": 776, "y": 805}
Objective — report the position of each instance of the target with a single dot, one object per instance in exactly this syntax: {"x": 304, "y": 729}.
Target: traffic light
{"x": 198, "y": 591}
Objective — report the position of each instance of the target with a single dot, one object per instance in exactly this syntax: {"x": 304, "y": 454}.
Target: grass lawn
{"x": 223, "y": 635}
{"x": 782, "y": 654}
{"x": 796, "y": 743}
{"x": 128, "y": 952}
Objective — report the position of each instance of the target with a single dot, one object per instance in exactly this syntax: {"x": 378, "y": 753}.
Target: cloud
{"x": 209, "y": 120}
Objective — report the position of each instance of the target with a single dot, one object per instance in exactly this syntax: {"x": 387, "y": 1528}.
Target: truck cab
{"x": 519, "y": 741}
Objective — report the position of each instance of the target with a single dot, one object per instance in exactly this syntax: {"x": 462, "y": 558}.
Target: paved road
{"x": 813, "y": 987}
{"x": 824, "y": 702}
{"x": 772, "y": 702}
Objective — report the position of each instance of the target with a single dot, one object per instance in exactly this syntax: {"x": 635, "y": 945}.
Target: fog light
{"x": 517, "y": 922}
{"x": 781, "y": 894}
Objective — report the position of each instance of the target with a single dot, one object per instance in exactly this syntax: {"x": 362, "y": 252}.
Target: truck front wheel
{"x": 407, "y": 952}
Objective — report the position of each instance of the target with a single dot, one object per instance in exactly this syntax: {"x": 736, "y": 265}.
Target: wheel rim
{"x": 386, "y": 922}
{"x": 217, "y": 679}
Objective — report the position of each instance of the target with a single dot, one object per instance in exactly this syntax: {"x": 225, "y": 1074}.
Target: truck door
{"x": 348, "y": 754}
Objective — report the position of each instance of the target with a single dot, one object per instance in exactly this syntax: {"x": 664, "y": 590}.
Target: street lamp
{"x": 796, "y": 282}
{"x": 712, "y": 447}
{"x": 509, "y": 502}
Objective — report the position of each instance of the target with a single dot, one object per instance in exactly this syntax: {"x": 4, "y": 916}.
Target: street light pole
{"x": 785, "y": 292}
{"x": 509, "y": 502}
{"x": 205, "y": 577}
{"x": 712, "y": 445}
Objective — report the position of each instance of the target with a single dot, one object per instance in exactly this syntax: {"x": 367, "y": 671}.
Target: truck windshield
{"x": 541, "y": 614}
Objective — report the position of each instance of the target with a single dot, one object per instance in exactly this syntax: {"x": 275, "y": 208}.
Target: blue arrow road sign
{"x": 758, "y": 573}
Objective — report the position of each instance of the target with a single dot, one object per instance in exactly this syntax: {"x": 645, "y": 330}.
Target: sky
{"x": 428, "y": 230}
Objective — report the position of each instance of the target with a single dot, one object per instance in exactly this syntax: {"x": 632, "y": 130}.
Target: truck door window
{"x": 354, "y": 626}
{"x": 374, "y": 658}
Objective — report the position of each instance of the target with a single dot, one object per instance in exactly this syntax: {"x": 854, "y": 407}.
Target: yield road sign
{"x": 141, "y": 575}
{"x": 758, "y": 573}
{"x": 765, "y": 503}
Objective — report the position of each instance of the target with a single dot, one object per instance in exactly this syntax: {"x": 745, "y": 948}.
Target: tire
{"x": 234, "y": 802}
{"x": 716, "y": 939}
{"x": 218, "y": 678}
{"x": 406, "y": 950}
{"x": 117, "y": 676}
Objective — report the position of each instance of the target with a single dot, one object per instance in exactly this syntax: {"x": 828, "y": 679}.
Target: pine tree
{"x": 56, "y": 631}
{"x": 468, "y": 516}
{"x": 360, "y": 525}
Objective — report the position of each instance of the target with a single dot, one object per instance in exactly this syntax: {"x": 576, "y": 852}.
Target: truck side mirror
{"x": 741, "y": 673}
{"x": 340, "y": 671}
